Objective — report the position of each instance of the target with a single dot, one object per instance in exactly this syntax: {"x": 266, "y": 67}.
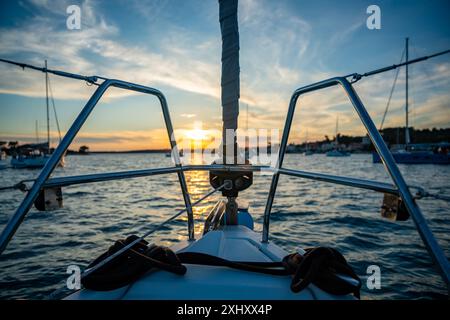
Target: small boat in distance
{"x": 3, "y": 162}
{"x": 409, "y": 153}
{"x": 308, "y": 151}
{"x": 336, "y": 152}
{"x": 37, "y": 157}
{"x": 420, "y": 154}
{"x": 32, "y": 160}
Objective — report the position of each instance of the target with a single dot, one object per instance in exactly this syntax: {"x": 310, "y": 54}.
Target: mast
{"x": 37, "y": 131}
{"x": 247, "y": 138}
{"x": 337, "y": 124}
{"x": 246, "y": 119}
{"x": 48, "y": 111}
{"x": 407, "y": 140}
{"x": 306, "y": 141}
{"x": 230, "y": 75}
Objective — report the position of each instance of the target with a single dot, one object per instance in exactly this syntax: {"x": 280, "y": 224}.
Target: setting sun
{"x": 197, "y": 134}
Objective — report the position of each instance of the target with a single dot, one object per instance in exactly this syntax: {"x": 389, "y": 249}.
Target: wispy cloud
{"x": 188, "y": 115}
{"x": 341, "y": 37}
{"x": 105, "y": 141}
{"x": 95, "y": 50}
{"x": 150, "y": 9}
{"x": 279, "y": 51}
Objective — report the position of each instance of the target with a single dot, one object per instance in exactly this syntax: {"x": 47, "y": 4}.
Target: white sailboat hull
{"x": 236, "y": 243}
{"x": 3, "y": 164}
{"x": 337, "y": 153}
{"x": 29, "y": 162}
{"x": 33, "y": 162}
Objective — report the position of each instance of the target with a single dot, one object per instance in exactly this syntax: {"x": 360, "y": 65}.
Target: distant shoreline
{"x": 71, "y": 152}
{"x": 355, "y": 144}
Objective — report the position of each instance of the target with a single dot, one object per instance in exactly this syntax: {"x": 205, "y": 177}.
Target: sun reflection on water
{"x": 198, "y": 186}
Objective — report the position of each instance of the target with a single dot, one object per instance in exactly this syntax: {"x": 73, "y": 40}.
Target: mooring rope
{"x": 19, "y": 186}
{"x": 122, "y": 250}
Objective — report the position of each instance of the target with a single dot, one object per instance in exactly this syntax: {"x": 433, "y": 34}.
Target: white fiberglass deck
{"x": 237, "y": 243}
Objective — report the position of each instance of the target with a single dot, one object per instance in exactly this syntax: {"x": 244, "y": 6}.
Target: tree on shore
{"x": 83, "y": 149}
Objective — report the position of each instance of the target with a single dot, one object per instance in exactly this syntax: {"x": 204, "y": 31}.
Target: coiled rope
{"x": 131, "y": 244}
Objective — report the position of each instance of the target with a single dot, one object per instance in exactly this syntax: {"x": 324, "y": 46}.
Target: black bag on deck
{"x": 324, "y": 267}
{"x": 130, "y": 265}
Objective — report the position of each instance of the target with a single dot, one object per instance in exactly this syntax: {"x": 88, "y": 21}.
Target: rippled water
{"x": 305, "y": 213}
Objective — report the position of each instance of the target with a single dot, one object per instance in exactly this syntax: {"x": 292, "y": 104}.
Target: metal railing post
{"x": 282, "y": 151}
{"x": 176, "y": 157}
{"x": 386, "y": 157}
{"x": 50, "y": 165}
{"x": 276, "y": 174}
{"x": 388, "y": 160}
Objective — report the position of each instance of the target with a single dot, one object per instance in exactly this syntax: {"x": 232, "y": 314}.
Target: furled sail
{"x": 230, "y": 68}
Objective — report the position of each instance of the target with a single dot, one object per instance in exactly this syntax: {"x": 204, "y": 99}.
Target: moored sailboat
{"x": 337, "y": 152}
{"x": 3, "y": 162}
{"x": 37, "y": 157}
{"x": 410, "y": 154}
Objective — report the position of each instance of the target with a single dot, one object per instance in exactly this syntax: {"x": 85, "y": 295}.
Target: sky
{"x": 175, "y": 46}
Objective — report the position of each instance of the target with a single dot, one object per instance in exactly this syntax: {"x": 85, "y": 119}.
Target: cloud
{"x": 96, "y": 49}
{"x": 177, "y": 62}
{"x": 342, "y": 36}
{"x": 188, "y": 115}
{"x": 316, "y": 112}
{"x": 279, "y": 52}
{"x": 105, "y": 141}
{"x": 90, "y": 16}
{"x": 40, "y": 38}
{"x": 147, "y": 9}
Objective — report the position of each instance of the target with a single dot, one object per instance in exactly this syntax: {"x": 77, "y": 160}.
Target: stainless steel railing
{"x": 425, "y": 233}
{"x": 38, "y": 184}
{"x": 398, "y": 188}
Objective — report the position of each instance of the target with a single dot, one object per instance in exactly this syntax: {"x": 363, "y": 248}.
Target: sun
{"x": 196, "y": 134}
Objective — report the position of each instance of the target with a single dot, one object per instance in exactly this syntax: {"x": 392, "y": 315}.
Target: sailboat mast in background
{"x": 407, "y": 139}
{"x": 337, "y": 128}
{"x": 37, "y": 131}
{"x": 48, "y": 111}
